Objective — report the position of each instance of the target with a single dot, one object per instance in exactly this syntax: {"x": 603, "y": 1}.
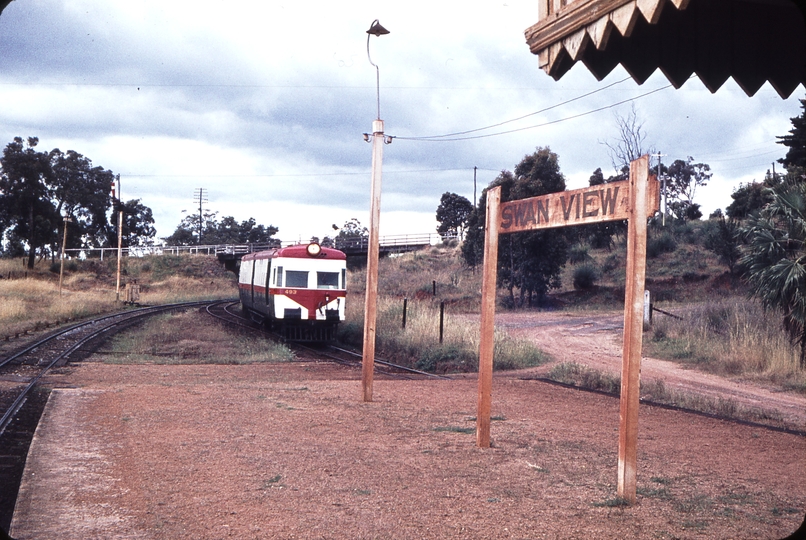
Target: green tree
{"x": 774, "y": 258}
{"x": 724, "y": 241}
{"x": 530, "y": 262}
{"x": 138, "y": 224}
{"x": 352, "y": 229}
{"x": 452, "y": 214}
{"x": 684, "y": 177}
{"x": 795, "y": 141}
{"x": 82, "y": 192}
{"x": 25, "y": 189}
{"x": 751, "y": 197}
{"x": 225, "y": 231}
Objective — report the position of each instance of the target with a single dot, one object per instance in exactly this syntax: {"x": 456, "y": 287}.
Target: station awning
{"x": 753, "y": 41}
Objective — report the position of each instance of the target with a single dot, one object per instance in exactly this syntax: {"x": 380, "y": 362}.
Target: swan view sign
{"x": 633, "y": 200}
{"x": 606, "y": 202}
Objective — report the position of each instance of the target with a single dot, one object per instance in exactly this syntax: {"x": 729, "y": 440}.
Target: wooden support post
{"x": 633, "y": 329}
{"x": 371, "y": 298}
{"x": 120, "y": 253}
{"x": 489, "y": 276}
{"x": 441, "y": 321}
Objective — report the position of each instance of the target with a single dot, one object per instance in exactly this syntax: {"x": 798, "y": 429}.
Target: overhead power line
{"x": 448, "y": 138}
{"x": 521, "y": 117}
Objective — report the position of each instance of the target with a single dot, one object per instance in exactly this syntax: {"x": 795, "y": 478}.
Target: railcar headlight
{"x": 314, "y": 249}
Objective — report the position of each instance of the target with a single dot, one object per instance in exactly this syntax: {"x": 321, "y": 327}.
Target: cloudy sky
{"x": 263, "y": 105}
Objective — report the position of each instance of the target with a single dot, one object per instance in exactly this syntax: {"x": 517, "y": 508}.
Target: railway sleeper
{"x": 310, "y": 332}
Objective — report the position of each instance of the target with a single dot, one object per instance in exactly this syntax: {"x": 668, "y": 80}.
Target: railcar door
{"x": 252, "y": 282}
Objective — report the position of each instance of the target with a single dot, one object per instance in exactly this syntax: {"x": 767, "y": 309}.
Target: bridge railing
{"x": 391, "y": 243}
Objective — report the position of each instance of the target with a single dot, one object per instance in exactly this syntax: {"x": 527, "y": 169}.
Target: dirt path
{"x": 594, "y": 339}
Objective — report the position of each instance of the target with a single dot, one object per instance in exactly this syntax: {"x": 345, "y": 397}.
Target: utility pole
{"x": 120, "y": 239}
{"x": 474, "y": 186}
{"x": 200, "y": 196}
{"x": 662, "y": 188}
{"x": 371, "y": 297}
{"x": 64, "y": 241}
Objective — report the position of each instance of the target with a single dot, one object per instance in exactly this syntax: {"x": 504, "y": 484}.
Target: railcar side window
{"x": 279, "y": 276}
{"x": 327, "y": 280}
{"x": 296, "y": 278}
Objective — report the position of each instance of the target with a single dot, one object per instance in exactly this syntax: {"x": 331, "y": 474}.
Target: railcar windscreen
{"x": 327, "y": 280}
{"x": 296, "y": 278}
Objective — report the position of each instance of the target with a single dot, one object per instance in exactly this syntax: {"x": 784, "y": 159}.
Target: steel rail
{"x": 350, "y": 363}
{"x": 235, "y": 319}
{"x": 62, "y": 331}
{"x": 392, "y": 365}
{"x": 129, "y": 316}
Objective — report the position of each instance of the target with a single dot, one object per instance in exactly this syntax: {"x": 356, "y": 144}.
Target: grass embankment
{"x": 29, "y": 299}
{"x": 415, "y": 277}
{"x": 731, "y": 337}
{"x": 720, "y": 329}
{"x": 656, "y": 391}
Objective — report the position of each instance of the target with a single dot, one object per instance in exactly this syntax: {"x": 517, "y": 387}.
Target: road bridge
{"x": 230, "y": 254}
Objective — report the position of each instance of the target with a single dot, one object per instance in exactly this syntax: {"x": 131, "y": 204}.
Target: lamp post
{"x": 64, "y": 241}
{"x": 370, "y": 300}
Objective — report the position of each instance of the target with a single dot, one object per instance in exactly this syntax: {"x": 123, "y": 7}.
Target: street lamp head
{"x": 376, "y": 29}
{"x": 366, "y": 137}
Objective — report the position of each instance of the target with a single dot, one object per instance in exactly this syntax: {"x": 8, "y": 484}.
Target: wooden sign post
{"x": 635, "y": 200}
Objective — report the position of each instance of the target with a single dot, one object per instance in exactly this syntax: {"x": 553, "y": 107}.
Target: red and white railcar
{"x": 298, "y": 290}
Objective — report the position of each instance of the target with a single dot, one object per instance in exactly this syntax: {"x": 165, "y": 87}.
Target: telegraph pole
{"x": 474, "y": 186}
{"x": 662, "y": 188}
{"x": 120, "y": 239}
{"x": 200, "y": 196}
{"x": 64, "y": 241}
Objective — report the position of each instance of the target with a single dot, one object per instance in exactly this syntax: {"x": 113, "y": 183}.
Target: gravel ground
{"x": 289, "y": 451}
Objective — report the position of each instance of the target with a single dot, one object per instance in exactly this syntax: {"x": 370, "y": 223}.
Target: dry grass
{"x": 191, "y": 338}
{"x": 415, "y": 276}
{"x": 25, "y": 303}
{"x": 418, "y": 344}
{"x": 30, "y": 298}
{"x": 729, "y": 337}
{"x": 656, "y": 391}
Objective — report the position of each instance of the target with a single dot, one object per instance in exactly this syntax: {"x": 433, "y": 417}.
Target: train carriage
{"x": 299, "y": 291}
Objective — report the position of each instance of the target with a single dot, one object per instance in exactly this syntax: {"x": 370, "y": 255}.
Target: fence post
{"x": 405, "y": 306}
{"x": 441, "y": 320}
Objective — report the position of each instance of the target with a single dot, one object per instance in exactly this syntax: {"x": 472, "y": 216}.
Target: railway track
{"x": 224, "y": 311}
{"x": 22, "y": 399}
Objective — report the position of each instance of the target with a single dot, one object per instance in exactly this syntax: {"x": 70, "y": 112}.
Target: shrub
{"x": 660, "y": 245}
{"x": 585, "y": 277}
{"x": 578, "y": 254}
{"x": 612, "y": 262}
{"x": 444, "y": 359}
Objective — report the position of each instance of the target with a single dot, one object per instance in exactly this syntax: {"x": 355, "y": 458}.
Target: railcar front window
{"x": 296, "y": 278}
{"x": 327, "y": 280}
